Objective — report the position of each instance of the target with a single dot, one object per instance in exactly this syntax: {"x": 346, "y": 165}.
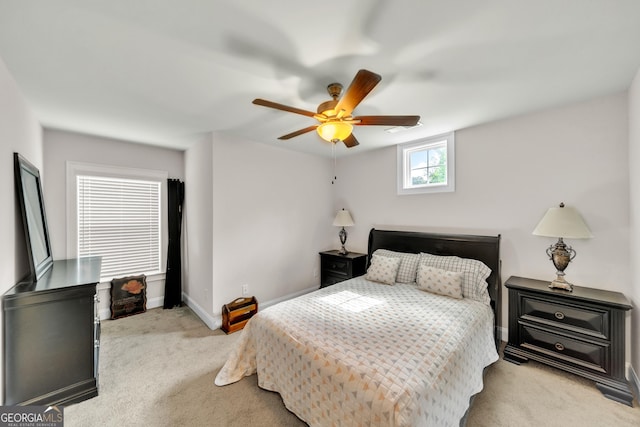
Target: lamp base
{"x": 561, "y": 255}
{"x": 343, "y": 239}
{"x": 560, "y": 283}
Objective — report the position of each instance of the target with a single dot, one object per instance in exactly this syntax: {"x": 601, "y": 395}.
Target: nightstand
{"x": 582, "y": 332}
{"x": 335, "y": 267}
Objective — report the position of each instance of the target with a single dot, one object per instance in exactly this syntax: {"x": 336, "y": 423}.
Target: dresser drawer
{"x": 590, "y": 321}
{"x": 588, "y": 355}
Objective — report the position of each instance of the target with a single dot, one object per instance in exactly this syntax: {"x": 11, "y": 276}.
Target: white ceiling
{"x": 165, "y": 72}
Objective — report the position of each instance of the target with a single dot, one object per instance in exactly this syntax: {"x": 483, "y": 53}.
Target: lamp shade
{"x": 563, "y": 222}
{"x": 343, "y": 219}
{"x": 334, "y": 131}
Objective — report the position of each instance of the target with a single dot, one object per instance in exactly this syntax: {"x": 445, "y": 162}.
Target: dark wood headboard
{"x": 482, "y": 248}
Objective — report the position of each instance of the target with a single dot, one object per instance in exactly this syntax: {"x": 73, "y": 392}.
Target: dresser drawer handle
{"x": 559, "y": 315}
{"x": 559, "y": 346}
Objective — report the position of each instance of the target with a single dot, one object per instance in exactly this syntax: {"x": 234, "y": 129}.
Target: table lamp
{"x": 562, "y": 222}
{"x": 343, "y": 219}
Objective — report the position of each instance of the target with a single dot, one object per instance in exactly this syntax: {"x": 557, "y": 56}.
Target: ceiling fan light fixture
{"x": 334, "y": 131}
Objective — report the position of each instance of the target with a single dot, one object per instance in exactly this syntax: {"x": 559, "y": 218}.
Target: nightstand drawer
{"x": 591, "y": 321}
{"x": 336, "y": 266}
{"x": 585, "y": 354}
{"x": 332, "y": 280}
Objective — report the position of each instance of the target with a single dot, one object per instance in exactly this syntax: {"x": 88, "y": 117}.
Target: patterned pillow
{"x": 438, "y": 281}
{"x": 383, "y": 269}
{"x": 474, "y": 282}
{"x": 408, "y": 264}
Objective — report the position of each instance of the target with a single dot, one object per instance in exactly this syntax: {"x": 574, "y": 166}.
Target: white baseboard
{"x": 287, "y": 297}
{"x": 215, "y": 321}
{"x": 504, "y": 334}
{"x": 634, "y": 380}
{"x": 105, "y": 313}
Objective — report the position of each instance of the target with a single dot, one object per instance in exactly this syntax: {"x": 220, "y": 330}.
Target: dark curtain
{"x": 173, "y": 279}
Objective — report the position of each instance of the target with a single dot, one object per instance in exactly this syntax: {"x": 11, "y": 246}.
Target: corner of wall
{"x": 634, "y": 380}
{"x": 212, "y": 322}
{"x": 20, "y": 132}
{"x": 216, "y": 322}
{"x": 634, "y": 214}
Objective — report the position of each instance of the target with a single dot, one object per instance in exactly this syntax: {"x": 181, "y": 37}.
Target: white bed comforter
{"x": 366, "y": 354}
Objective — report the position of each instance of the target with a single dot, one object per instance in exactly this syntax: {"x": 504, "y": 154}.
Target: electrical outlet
{"x": 245, "y": 290}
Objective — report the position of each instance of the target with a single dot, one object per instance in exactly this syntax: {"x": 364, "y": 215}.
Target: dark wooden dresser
{"x": 335, "y": 267}
{"x": 51, "y": 336}
{"x": 582, "y": 332}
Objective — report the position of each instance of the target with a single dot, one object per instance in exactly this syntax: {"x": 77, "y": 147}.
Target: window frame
{"x": 75, "y": 169}
{"x": 403, "y": 173}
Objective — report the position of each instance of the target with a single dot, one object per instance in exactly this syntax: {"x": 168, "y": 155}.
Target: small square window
{"x": 427, "y": 166}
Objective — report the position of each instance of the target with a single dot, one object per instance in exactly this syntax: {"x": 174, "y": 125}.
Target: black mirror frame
{"x": 23, "y": 168}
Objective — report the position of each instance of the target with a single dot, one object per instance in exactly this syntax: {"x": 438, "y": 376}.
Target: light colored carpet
{"x": 157, "y": 369}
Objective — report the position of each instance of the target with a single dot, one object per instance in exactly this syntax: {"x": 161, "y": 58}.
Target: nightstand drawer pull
{"x": 559, "y": 346}
{"x": 559, "y": 315}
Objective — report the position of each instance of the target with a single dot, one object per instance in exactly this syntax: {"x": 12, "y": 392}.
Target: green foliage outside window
{"x": 429, "y": 166}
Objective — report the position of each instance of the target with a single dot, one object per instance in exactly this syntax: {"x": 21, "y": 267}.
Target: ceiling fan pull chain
{"x": 333, "y": 154}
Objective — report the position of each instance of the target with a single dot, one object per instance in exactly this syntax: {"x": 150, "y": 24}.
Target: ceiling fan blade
{"x": 350, "y": 141}
{"x": 298, "y": 132}
{"x": 282, "y": 107}
{"x": 362, "y": 84}
{"x": 387, "y": 120}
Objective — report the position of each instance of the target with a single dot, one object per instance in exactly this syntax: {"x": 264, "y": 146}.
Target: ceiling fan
{"x": 336, "y": 121}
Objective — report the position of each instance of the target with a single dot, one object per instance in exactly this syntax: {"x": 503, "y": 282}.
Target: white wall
{"x": 508, "y": 173}
{"x": 19, "y": 132}
{"x": 61, "y": 147}
{"x": 271, "y": 214}
{"x": 634, "y": 195}
{"x": 198, "y": 229}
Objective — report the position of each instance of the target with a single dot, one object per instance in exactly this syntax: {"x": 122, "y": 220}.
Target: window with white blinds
{"x": 119, "y": 220}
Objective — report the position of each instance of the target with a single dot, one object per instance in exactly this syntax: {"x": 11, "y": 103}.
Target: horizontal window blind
{"x": 119, "y": 220}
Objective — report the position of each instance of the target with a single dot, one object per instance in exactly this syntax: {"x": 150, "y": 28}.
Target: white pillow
{"x": 383, "y": 269}
{"x": 408, "y": 264}
{"x": 438, "y": 281}
{"x": 474, "y": 282}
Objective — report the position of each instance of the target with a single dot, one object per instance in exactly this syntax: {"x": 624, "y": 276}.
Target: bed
{"x": 366, "y": 352}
